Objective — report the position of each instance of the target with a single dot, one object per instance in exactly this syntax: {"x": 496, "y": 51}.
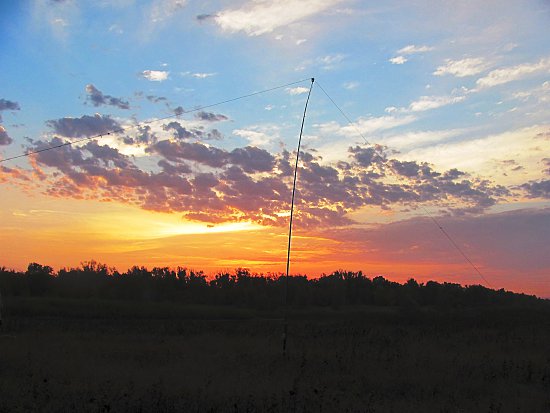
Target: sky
{"x": 425, "y": 149}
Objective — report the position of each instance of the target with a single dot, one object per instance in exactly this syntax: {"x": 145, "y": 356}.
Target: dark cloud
{"x": 252, "y": 159}
{"x": 143, "y": 135}
{"x": 214, "y": 134}
{"x": 515, "y": 241}
{"x": 210, "y": 117}
{"x": 212, "y": 184}
{"x": 181, "y": 131}
{"x": 8, "y": 105}
{"x": 196, "y": 152}
{"x": 179, "y": 111}
{"x": 156, "y": 99}
{"x": 98, "y": 98}
{"x": 5, "y": 139}
{"x": 85, "y": 126}
{"x": 540, "y": 189}
{"x": 204, "y": 17}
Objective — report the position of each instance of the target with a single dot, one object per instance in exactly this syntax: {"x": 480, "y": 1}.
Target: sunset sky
{"x": 449, "y": 104}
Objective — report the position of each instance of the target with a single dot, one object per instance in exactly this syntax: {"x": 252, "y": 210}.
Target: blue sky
{"x": 441, "y": 86}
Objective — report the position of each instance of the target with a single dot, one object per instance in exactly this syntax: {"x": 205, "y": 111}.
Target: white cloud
{"x": 398, "y": 60}
{"x": 464, "y": 67}
{"x": 351, "y": 85}
{"x": 198, "y": 75}
{"x": 509, "y": 74}
{"x": 478, "y": 155}
{"x": 259, "y": 135}
{"x": 264, "y": 16}
{"x": 297, "y": 90}
{"x": 365, "y": 125}
{"x": 163, "y": 9}
{"x": 412, "y": 49}
{"x": 327, "y": 62}
{"x": 155, "y": 75}
{"x": 300, "y": 41}
{"x": 416, "y": 139}
{"x": 202, "y": 75}
{"x": 433, "y": 102}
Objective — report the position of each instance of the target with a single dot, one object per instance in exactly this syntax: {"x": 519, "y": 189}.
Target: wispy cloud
{"x": 198, "y": 75}
{"x": 164, "y": 9}
{"x": 262, "y": 16}
{"x": 510, "y": 74}
{"x": 412, "y": 49}
{"x": 351, "y": 85}
{"x": 327, "y": 62}
{"x": 433, "y": 102}
{"x": 464, "y": 67}
{"x": 408, "y": 50}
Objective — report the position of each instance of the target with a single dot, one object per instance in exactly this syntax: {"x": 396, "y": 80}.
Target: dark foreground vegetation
{"x": 93, "y": 340}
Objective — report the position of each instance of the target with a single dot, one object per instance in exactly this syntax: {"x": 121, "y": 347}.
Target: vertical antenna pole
{"x": 291, "y": 217}
{"x": 0, "y": 309}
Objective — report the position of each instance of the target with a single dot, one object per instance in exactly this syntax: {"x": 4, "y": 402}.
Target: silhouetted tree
{"x": 39, "y": 278}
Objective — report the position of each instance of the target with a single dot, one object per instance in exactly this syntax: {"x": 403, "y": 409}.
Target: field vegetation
{"x": 90, "y": 339}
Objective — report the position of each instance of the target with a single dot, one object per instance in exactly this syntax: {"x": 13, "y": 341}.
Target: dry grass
{"x": 361, "y": 360}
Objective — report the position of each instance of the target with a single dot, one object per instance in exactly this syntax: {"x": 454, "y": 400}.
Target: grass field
{"x": 104, "y": 356}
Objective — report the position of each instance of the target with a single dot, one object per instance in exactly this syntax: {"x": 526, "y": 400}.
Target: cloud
{"x": 433, "y": 102}
{"x": 408, "y": 50}
{"x": 351, "y": 85}
{"x": 210, "y": 117}
{"x": 156, "y": 99}
{"x": 155, "y": 75}
{"x": 192, "y": 131}
{"x": 85, "y": 126}
{"x": 198, "y": 75}
{"x": 98, "y": 98}
{"x": 329, "y": 62}
{"x": 475, "y": 152}
{"x": 204, "y": 17}
{"x": 464, "y": 67}
{"x": 510, "y": 74}
{"x": 5, "y": 139}
{"x": 250, "y": 184}
{"x": 164, "y": 9}
{"x": 182, "y": 132}
{"x": 255, "y": 137}
{"x": 412, "y": 49}
{"x": 514, "y": 242}
{"x": 398, "y": 60}
{"x": 262, "y": 16}
{"x": 8, "y": 105}
{"x": 537, "y": 189}
{"x": 376, "y": 124}
{"x": 297, "y": 90}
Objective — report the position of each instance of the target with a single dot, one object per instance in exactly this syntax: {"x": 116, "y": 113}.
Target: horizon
{"x": 448, "y": 120}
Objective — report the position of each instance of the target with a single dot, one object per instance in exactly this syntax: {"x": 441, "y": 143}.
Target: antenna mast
{"x": 291, "y": 217}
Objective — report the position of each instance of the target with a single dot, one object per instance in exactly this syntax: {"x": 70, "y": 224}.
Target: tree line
{"x": 243, "y": 288}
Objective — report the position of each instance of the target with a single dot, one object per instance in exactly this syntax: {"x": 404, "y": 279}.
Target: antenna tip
{"x": 312, "y": 79}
